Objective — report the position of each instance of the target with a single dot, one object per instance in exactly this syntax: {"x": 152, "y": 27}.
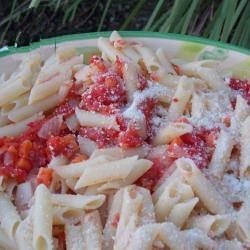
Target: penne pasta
{"x": 42, "y": 219}
{"x": 92, "y": 119}
{"x": 245, "y": 149}
{"x": 9, "y": 218}
{"x": 209, "y": 196}
{"x": 15, "y": 129}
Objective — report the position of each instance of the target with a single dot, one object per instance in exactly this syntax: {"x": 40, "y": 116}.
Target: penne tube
{"x": 245, "y": 148}
{"x": 64, "y": 215}
{"x": 9, "y": 218}
{"x": 94, "y": 119}
{"x": 130, "y": 77}
{"x": 105, "y": 47}
{"x": 42, "y": 219}
{"x": 221, "y": 155}
{"x": 14, "y": 90}
{"x": 78, "y": 201}
{"x": 171, "y": 131}
{"x": 140, "y": 167}
{"x": 208, "y": 195}
{"x": 212, "y": 225}
{"x": 119, "y": 153}
{"x": 181, "y": 211}
{"x": 5, "y": 241}
{"x": 48, "y": 88}
{"x": 241, "y": 112}
{"x": 24, "y": 234}
{"x": 161, "y": 56}
{"x": 75, "y": 170}
{"x": 174, "y": 193}
{"x": 74, "y": 237}
{"x": 14, "y": 129}
{"x": 110, "y": 228}
{"x": 127, "y": 50}
{"x": 24, "y": 112}
{"x": 204, "y": 70}
{"x": 180, "y": 99}
{"x": 92, "y": 231}
{"x": 109, "y": 171}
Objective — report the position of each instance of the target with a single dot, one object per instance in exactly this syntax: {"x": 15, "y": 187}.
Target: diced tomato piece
{"x": 241, "y": 87}
{"x": 102, "y": 136}
{"x": 130, "y": 138}
{"x": 106, "y": 96}
{"x": 25, "y": 148}
{"x": 154, "y": 174}
{"x": 44, "y": 176}
{"x": 65, "y": 145}
{"x": 198, "y": 146}
{"x": 24, "y": 164}
{"x": 14, "y": 173}
{"x": 99, "y": 63}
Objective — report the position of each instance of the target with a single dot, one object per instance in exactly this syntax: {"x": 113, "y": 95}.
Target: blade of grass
{"x": 240, "y": 26}
{"x": 154, "y": 14}
{"x": 21, "y": 7}
{"x": 34, "y": 3}
{"x": 245, "y": 36}
{"x": 233, "y": 19}
{"x": 177, "y": 11}
{"x": 133, "y": 14}
{"x": 230, "y": 12}
{"x": 211, "y": 24}
{"x": 216, "y": 31}
{"x": 159, "y": 22}
{"x": 189, "y": 15}
{"x": 104, "y": 14}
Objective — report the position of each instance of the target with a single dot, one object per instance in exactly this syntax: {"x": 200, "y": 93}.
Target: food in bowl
{"x": 130, "y": 151}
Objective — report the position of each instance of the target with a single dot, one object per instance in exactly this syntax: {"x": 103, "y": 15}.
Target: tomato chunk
{"x": 44, "y": 176}
{"x": 241, "y": 87}
{"x": 65, "y": 145}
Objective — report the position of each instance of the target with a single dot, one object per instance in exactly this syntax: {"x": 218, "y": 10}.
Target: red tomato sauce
{"x": 241, "y": 87}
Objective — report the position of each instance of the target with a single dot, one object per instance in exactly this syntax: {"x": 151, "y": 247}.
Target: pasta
{"x": 131, "y": 149}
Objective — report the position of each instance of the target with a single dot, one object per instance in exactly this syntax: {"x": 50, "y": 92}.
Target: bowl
{"x": 235, "y": 60}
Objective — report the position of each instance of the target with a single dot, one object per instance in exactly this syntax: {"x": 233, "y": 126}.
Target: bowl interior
{"x": 236, "y": 61}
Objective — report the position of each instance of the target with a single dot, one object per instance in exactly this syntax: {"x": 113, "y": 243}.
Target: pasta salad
{"x": 132, "y": 151}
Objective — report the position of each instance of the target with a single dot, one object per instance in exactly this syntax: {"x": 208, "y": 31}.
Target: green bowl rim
{"x": 83, "y": 36}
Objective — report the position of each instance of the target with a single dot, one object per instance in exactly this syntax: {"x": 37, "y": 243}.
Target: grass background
{"x": 25, "y": 21}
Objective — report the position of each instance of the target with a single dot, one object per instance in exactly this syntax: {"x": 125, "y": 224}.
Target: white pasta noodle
{"x": 9, "y": 218}
{"x": 212, "y": 225}
{"x": 15, "y": 129}
{"x": 73, "y": 237}
{"x": 169, "y": 132}
{"x": 24, "y": 233}
{"x": 92, "y": 231}
{"x": 94, "y": 119}
{"x": 245, "y": 148}
{"x": 42, "y": 219}
{"x": 24, "y": 112}
{"x": 221, "y": 155}
{"x": 78, "y": 201}
{"x": 180, "y": 99}
{"x": 210, "y": 197}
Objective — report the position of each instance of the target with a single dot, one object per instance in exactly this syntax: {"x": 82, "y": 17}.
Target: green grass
{"x": 225, "y": 20}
